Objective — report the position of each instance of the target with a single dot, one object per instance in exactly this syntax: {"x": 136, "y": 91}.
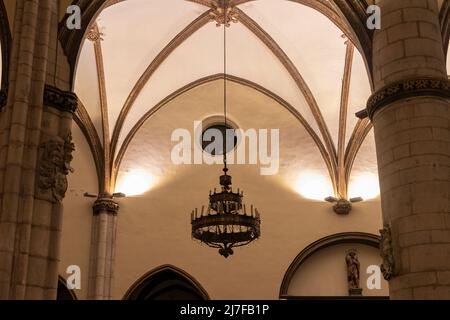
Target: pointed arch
{"x": 166, "y": 282}
{"x": 353, "y": 11}
{"x": 234, "y": 79}
{"x": 5, "y": 39}
{"x": 444, "y": 17}
{"x": 64, "y": 293}
{"x": 72, "y": 40}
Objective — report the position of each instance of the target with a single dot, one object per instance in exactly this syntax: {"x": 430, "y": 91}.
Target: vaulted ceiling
{"x": 140, "y": 52}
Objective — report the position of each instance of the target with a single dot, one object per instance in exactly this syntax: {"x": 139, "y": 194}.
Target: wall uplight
{"x": 364, "y": 185}
{"x": 314, "y": 185}
{"x": 135, "y": 183}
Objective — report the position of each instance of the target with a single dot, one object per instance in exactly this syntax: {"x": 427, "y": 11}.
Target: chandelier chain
{"x": 226, "y": 225}
{"x": 225, "y": 92}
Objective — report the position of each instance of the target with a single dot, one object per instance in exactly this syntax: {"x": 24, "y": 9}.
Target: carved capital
{"x": 62, "y": 100}
{"x": 106, "y": 205}
{"x": 387, "y": 253}
{"x": 420, "y": 87}
{"x": 54, "y": 166}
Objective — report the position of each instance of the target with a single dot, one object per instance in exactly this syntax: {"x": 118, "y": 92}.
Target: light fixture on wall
{"x": 114, "y": 195}
{"x": 226, "y": 224}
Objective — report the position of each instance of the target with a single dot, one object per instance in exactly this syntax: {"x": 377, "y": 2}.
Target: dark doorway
{"x": 167, "y": 283}
{"x": 63, "y": 293}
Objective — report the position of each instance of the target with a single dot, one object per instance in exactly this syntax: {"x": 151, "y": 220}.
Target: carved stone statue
{"x": 353, "y": 268}
{"x": 387, "y": 253}
{"x": 54, "y": 167}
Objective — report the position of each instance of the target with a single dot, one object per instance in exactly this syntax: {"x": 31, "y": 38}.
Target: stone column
{"x": 103, "y": 244}
{"x": 410, "y": 111}
{"x": 35, "y": 155}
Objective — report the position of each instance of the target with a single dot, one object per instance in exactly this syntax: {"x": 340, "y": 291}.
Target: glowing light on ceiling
{"x": 314, "y": 185}
{"x": 135, "y": 183}
{"x": 364, "y": 185}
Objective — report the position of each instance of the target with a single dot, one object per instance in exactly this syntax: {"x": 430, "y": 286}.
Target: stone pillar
{"x": 410, "y": 111}
{"x": 103, "y": 244}
{"x": 35, "y": 155}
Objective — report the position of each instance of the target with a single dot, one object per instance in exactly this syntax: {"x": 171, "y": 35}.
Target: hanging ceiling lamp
{"x": 226, "y": 224}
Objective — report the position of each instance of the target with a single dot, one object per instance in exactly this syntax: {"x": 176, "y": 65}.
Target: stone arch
{"x": 64, "y": 293}
{"x": 444, "y": 18}
{"x": 166, "y": 282}
{"x": 353, "y": 12}
{"x": 208, "y": 79}
{"x": 72, "y": 40}
{"x": 5, "y": 39}
{"x": 328, "y": 241}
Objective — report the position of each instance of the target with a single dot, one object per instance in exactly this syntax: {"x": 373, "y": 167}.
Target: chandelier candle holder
{"x": 226, "y": 224}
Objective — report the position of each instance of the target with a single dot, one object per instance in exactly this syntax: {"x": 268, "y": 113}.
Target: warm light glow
{"x": 364, "y": 185}
{"x": 314, "y": 185}
{"x": 135, "y": 183}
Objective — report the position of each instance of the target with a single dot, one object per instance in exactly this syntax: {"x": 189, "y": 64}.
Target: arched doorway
{"x": 166, "y": 283}
{"x": 63, "y": 293}
{"x": 5, "y": 47}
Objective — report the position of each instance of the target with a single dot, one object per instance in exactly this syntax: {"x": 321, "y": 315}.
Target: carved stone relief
{"x": 387, "y": 253}
{"x": 54, "y": 166}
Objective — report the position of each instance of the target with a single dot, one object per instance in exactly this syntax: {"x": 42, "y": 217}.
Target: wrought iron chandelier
{"x": 226, "y": 224}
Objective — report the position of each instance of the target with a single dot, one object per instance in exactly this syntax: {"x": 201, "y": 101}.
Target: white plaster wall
{"x": 154, "y": 229}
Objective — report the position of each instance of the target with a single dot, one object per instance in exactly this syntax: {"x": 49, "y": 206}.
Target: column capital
{"x": 408, "y": 88}
{"x": 62, "y": 100}
{"x": 106, "y": 205}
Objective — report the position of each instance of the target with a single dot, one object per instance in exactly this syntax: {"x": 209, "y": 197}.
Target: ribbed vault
{"x": 323, "y": 85}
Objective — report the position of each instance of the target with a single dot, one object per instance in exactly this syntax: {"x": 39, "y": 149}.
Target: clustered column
{"x": 35, "y": 155}
{"x": 410, "y": 111}
{"x": 103, "y": 243}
